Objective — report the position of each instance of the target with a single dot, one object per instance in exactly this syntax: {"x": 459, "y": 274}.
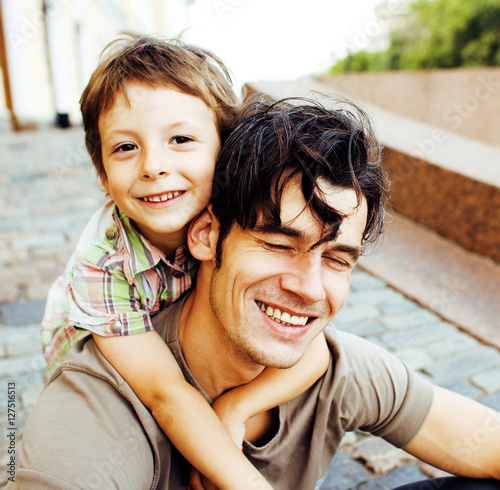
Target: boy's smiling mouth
{"x": 161, "y": 197}
{"x": 282, "y": 317}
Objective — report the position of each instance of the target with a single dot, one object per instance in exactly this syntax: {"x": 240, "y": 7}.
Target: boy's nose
{"x": 153, "y": 167}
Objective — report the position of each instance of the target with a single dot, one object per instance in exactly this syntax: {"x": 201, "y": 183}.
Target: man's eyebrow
{"x": 354, "y": 252}
{"x": 280, "y": 229}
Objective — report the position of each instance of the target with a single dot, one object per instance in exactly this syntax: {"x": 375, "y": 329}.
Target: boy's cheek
{"x": 104, "y": 182}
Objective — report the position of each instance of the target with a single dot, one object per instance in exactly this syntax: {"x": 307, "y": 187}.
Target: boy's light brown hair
{"x": 156, "y": 63}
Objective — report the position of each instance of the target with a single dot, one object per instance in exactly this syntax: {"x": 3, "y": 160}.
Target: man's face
{"x": 277, "y": 289}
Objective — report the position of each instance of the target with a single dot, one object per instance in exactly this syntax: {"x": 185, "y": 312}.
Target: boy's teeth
{"x": 162, "y": 197}
{"x": 284, "y": 317}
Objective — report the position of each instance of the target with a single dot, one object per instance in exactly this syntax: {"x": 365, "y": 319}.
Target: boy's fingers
{"x": 198, "y": 482}
{"x": 207, "y": 484}
{"x": 195, "y": 482}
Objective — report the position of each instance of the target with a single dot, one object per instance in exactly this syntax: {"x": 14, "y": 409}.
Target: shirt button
{"x": 177, "y": 273}
{"x": 110, "y": 233}
{"x": 116, "y": 327}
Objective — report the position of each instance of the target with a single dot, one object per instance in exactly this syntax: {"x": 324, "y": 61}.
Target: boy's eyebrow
{"x": 289, "y": 231}
{"x": 181, "y": 123}
{"x": 171, "y": 126}
{"x": 116, "y": 131}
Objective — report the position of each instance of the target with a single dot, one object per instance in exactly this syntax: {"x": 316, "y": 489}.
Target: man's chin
{"x": 275, "y": 361}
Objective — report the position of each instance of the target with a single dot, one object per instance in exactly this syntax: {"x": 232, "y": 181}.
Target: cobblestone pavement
{"x": 48, "y": 191}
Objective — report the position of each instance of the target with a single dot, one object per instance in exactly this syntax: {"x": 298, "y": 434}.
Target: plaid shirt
{"x": 114, "y": 282}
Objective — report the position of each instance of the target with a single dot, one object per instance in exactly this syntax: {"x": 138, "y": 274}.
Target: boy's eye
{"x": 179, "y": 140}
{"x": 125, "y": 147}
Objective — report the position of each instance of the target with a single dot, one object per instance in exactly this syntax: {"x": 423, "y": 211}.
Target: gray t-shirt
{"x": 88, "y": 429}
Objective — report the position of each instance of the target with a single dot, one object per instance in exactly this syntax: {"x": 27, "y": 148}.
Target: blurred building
{"x": 49, "y": 48}
{"x": 373, "y": 34}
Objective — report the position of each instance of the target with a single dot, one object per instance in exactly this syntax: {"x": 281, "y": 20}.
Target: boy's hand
{"x": 198, "y": 482}
{"x": 233, "y": 422}
{"x": 226, "y": 408}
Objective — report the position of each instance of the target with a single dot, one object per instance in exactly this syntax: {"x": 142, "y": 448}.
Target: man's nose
{"x": 154, "y": 165}
{"x": 305, "y": 278}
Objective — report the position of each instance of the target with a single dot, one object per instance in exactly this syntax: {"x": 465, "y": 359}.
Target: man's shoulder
{"x": 93, "y": 430}
{"x": 376, "y": 391}
{"x": 362, "y": 370}
{"x": 86, "y": 358}
{"x": 355, "y": 351}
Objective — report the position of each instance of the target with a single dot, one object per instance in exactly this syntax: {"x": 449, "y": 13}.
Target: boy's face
{"x": 159, "y": 153}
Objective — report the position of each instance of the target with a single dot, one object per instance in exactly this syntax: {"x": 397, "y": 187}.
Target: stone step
{"x": 458, "y": 285}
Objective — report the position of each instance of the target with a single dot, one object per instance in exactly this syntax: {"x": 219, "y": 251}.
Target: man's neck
{"x": 208, "y": 353}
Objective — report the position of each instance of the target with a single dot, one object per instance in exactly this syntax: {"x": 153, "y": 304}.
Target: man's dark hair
{"x": 276, "y": 141}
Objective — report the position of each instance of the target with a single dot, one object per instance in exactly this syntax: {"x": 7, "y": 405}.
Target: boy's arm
{"x": 271, "y": 388}
{"x": 148, "y": 366}
{"x": 460, "y": 436}
{"x": 99, "y": 298}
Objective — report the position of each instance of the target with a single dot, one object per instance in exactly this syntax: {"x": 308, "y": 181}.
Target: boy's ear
{"x": 202, "y": 235}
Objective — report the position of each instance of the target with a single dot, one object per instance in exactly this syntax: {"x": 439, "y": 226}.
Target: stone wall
{"x": 465, "y": 101}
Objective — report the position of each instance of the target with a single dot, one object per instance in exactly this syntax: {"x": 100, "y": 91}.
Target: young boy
{"x": 155, "y": 114}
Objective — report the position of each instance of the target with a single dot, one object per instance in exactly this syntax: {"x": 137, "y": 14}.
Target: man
{"x": 298, "y": 192}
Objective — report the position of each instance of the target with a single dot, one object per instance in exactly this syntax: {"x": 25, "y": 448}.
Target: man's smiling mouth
{"x": 284, "y": 318}
{"x": 162, "y": 197}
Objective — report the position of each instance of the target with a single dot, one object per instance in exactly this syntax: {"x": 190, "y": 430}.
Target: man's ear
{"x": 202, "y": 235}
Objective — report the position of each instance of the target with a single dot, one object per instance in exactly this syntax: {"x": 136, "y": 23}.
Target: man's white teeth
{"x": 284, "y": 317}
{"x": 162, "y": 197}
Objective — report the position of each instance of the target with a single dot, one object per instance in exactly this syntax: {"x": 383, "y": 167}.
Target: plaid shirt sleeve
{"x": 103, "y": 301}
